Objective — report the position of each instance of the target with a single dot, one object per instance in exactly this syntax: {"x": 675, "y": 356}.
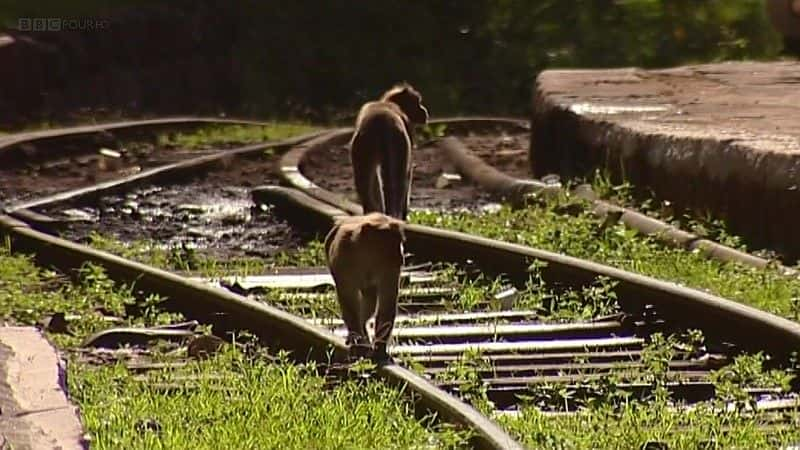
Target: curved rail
{"x": 196, "y": 300}
{"x": 486, "y": 176}
{"x": 270, "y": 324}
{"x": 746, "y": 326}
{"x": 317, "y": 207}
{"x": 41, "y": 136}
{"x": 23, "y": 210}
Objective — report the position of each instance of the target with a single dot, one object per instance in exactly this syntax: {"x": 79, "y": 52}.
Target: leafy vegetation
{"x": 188, "y": 260}
{"x": 236, "y": 401}
{"x": 211, "y": 136}
{"x": 566, "y": 226}
{"x": 29, "y": 295}
{"x": 608, "y": 416}
{"x": 635, "y": 424}
{"x": 703, "y": 225}
{"x": 484, "y": 59}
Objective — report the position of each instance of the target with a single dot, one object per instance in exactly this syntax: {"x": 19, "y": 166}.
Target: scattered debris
{"x": 135, "y": 337}
{"x": 148, "y": 425}
{"x": 446, "y": 179}
{"x": 79, "y": 215}
{"x": 507, "y": 297}
{"x": 491, "y": 208}
{"x": 56, "y": 323}
{"x": 110, "y": 153}
{"x": 204, "y": 346}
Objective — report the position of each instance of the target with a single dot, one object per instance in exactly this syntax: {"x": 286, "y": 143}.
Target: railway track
{"x": 496, "y": 353}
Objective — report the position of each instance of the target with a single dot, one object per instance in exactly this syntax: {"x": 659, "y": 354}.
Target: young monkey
{"x": 365, "y": 255}
{"x": 380, "y": 150}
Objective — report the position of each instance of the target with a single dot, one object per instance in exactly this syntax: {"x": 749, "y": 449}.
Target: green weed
{"x": 235, "y": 401}
{"x": 581, "y": 235}
{"x": 215, "y": 135}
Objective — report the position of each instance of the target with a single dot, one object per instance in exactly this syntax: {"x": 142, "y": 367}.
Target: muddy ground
{"x": 213, "y": 212}
{"x": 506, "y": 150}
{"x": 25, "y": 181}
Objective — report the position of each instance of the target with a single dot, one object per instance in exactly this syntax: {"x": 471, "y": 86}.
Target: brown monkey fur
{"x": 380, "y": 150}
{"x": 365, "y": 255}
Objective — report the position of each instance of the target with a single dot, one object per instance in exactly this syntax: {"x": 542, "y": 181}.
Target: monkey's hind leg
{"x": 369, "y": 300}
{"x": 388, "y": 291}
{"x": 349, "y": 297}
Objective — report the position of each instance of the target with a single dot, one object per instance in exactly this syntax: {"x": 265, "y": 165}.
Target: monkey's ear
{"x": 331, "y": 236}
{"x": 398, "y": 227}
{"x": 422, "y": 115}
{"x": 402, "y": 230}
{"x": 355, "y": 234}
{"x": 382, "y": 226}
{"x": 410, "y": 102}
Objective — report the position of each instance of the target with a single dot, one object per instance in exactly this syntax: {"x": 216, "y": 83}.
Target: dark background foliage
{"x": 321, "y": 59}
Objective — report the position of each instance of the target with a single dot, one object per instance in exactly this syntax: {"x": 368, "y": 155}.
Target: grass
{"x": 189, "y": 260}
{"x": 636, "y": 424}
{"x": 250, "y": 403}
{"x": 703, "y": 225}
{"x": 29, "y": 294}
{"x": 210, "y": 136}
{"x": 472, "y": 292}
{"x": 198, "y": 264}
{"x": 609, "y": 418}
{"x": 237, "y": 398}
{"x": 43, "y": 125}
{"x": 582, "y": 235}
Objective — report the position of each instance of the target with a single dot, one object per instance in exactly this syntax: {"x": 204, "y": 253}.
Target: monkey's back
{"x": 365, "y": 247}
{"x": 379, "y": 122}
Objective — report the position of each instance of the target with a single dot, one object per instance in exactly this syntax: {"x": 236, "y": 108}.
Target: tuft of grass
{"x": 28, "y": 295}
{"x": 635, "y": 424}
{"x": 702, "y": 224}
{"x": 185, "y": 259}
{"x": 582, "y": 235}
{"x": 235, "y": 399}
{"x": 213, "y": 135}
{"x": 248, "y": 403}
{"x": 177, "y": 258}
{"x": 310, "y": 255}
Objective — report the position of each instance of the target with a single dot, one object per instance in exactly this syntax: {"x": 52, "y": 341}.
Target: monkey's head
{"x": 409, "y": 100}
{"x": 377, "y": 223}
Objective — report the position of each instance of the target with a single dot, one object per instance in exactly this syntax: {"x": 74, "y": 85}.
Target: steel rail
{"x": 748, "y": 327}
{"x": 24, "y": 210}
{"x": 484, "y": 175}
{"x": 270, "y": 324}
{"x": 40, "y": 136}
{"x": 316, "y": 208}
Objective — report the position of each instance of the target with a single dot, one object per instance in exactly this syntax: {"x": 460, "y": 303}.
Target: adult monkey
{"x": 380, "y": 150}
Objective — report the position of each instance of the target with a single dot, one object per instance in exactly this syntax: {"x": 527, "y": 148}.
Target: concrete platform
{"x": 718, "y": 137}
{"x": 35, "y": 412}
